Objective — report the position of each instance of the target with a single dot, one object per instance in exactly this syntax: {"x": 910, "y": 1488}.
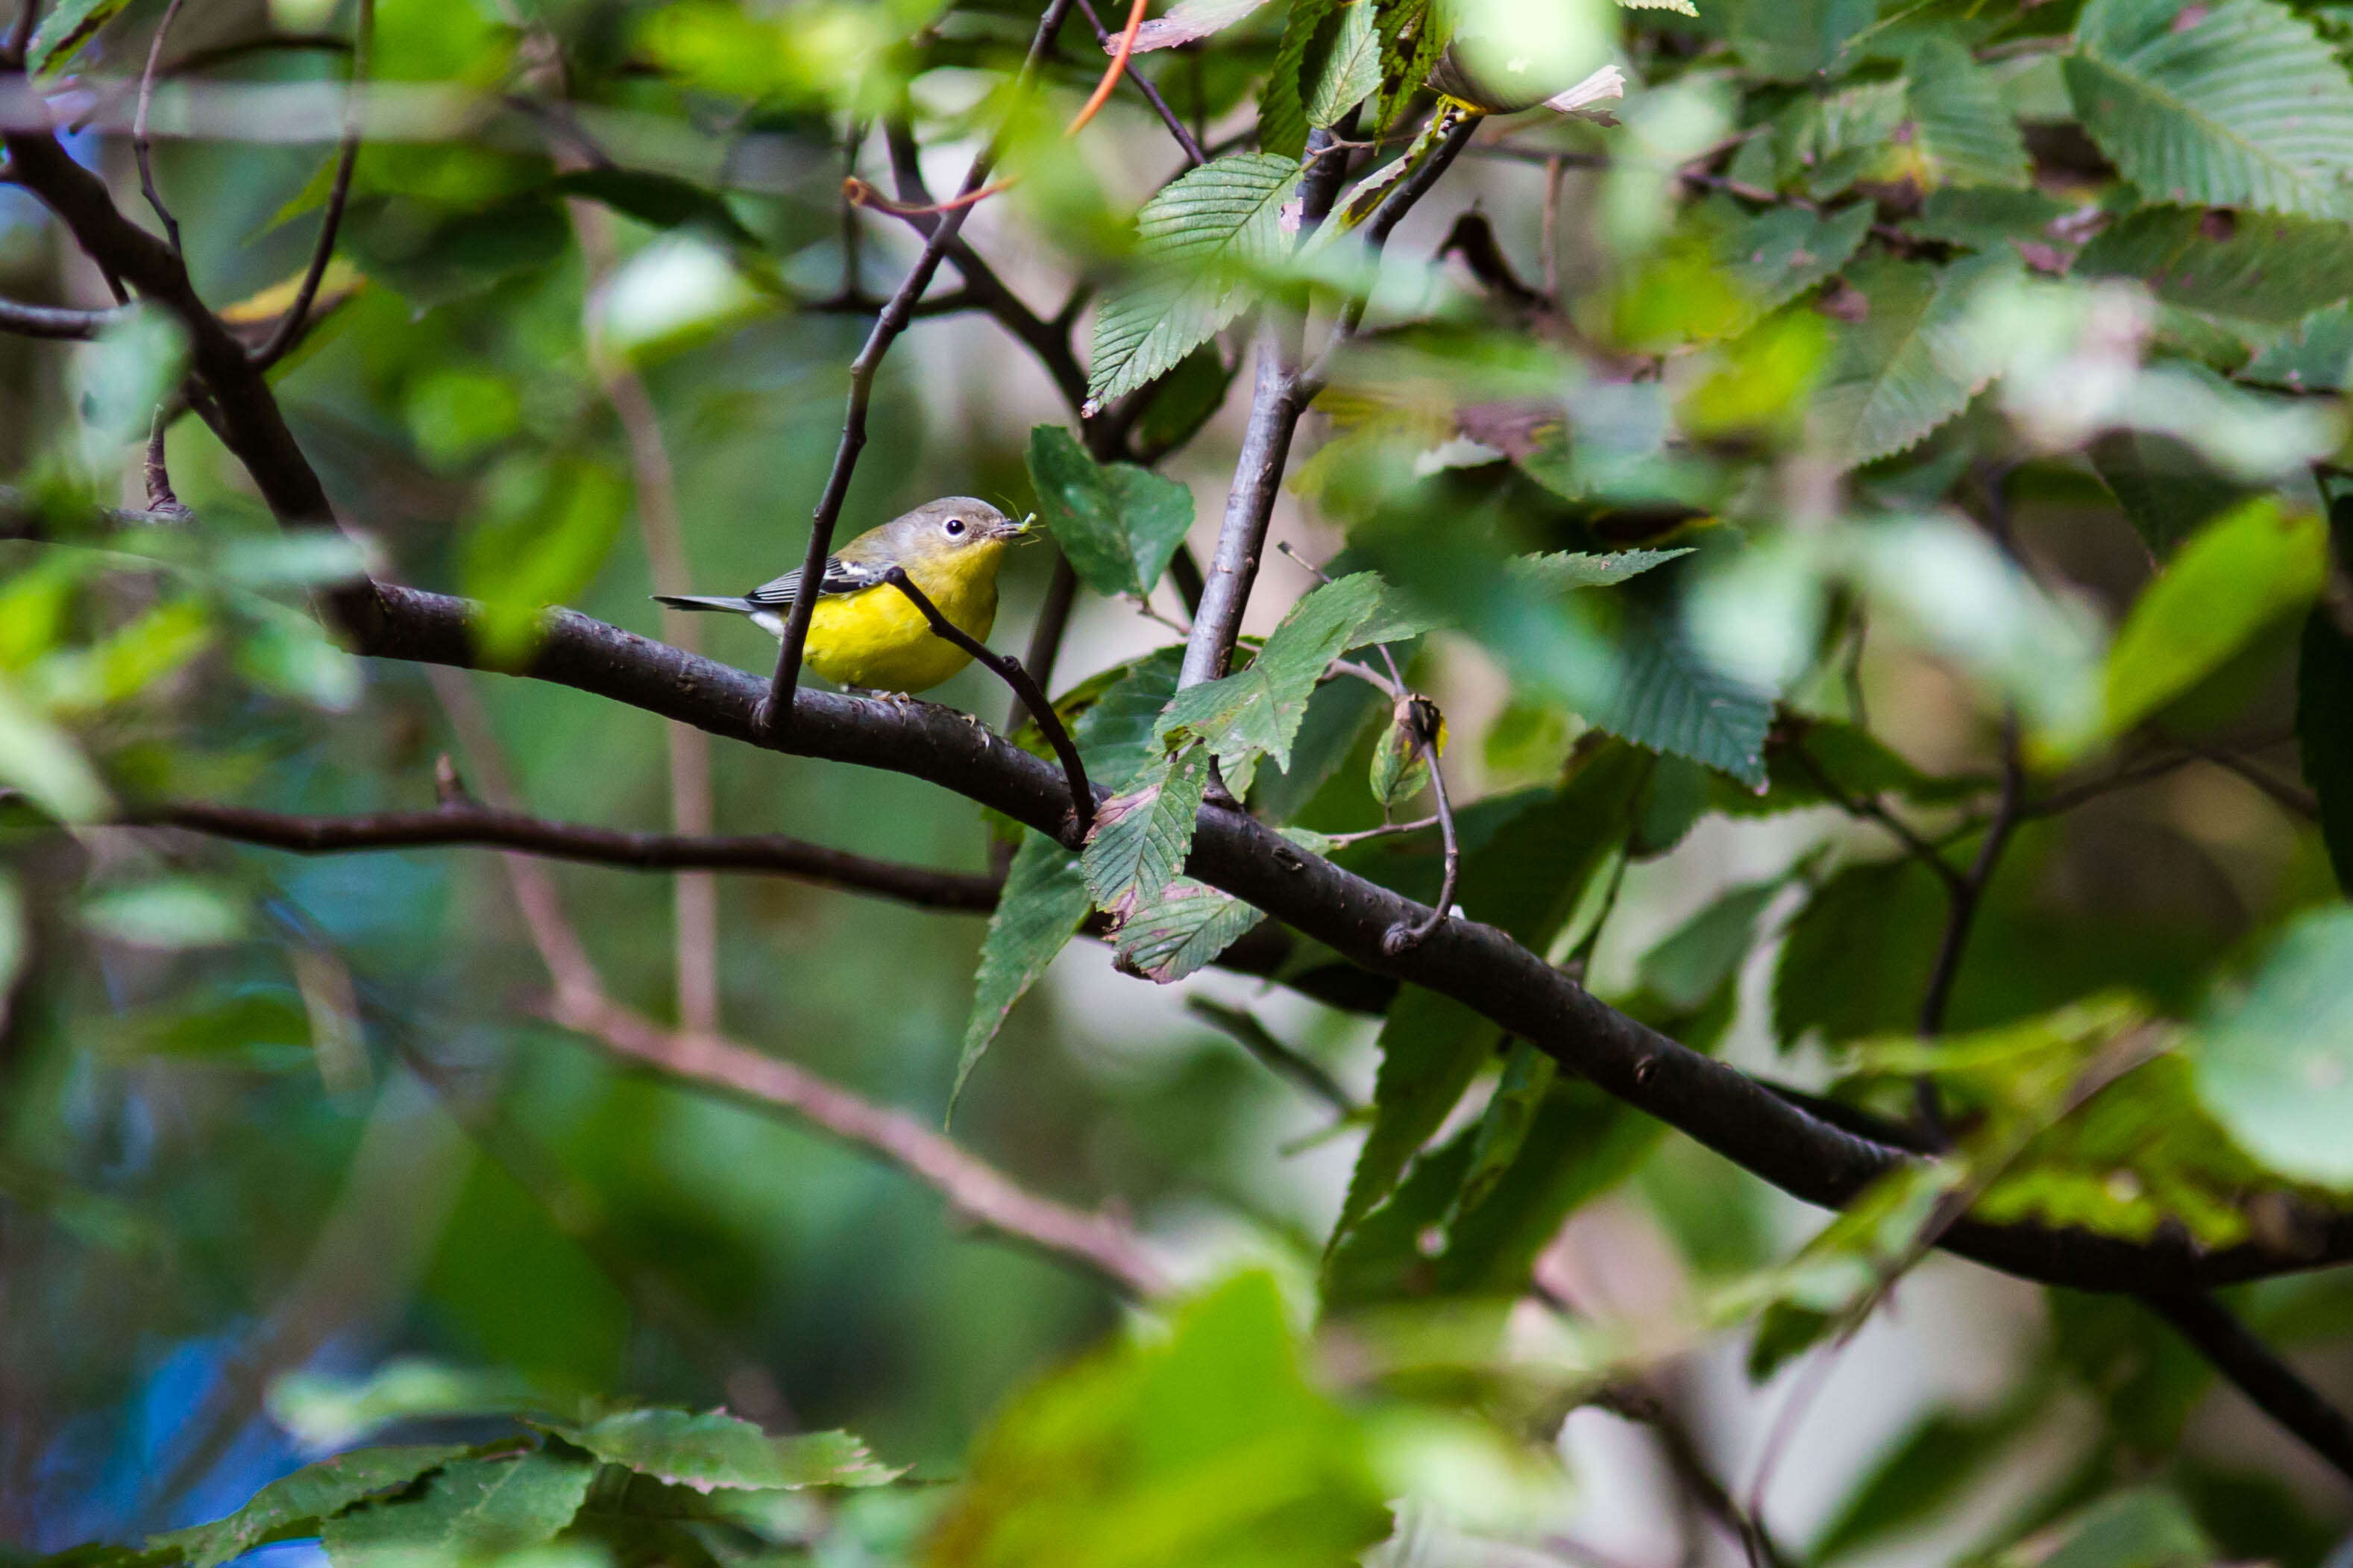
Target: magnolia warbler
{"x": 864, "y": 631}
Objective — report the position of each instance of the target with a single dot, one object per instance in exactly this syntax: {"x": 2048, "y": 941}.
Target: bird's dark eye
{"x": 955, "y": 526}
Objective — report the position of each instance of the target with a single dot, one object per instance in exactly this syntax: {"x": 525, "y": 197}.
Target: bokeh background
{"x": 214, "y": 1210}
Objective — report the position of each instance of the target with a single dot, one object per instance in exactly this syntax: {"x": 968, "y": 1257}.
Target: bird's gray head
{"x": 955, "y": 522}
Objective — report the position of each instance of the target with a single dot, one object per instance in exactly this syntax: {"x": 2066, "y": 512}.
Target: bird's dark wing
{"x": 841, "y": 577}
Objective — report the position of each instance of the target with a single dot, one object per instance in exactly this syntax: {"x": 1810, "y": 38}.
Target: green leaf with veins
{"x": 1282, "y": 107}
{"x": 1113, "y": 731}
{"x": 2314, "y": 356}
{"x": 311, "y": 1494}
{"x": 1256, "y": 710}
{"x": 1345, "y": 63}
{"x": 1181, "y": 931}
{"x": 1045, "y": 899}
{"x": 1140, "y": 837}
{"x": 1776, "y": 255}
{"x": 2251, "y": 265}
{"x": 1203, "y": 236}
{"x": 475, "y": 1508}
{"x": 711, "y": 1448}
{"x": 1964, "y": 131}
{"x": 64, "y": 30}
{"x": 2234, "y": 104}
{"x": 1910, "y": 363}
{"x": 1118, "y": 525}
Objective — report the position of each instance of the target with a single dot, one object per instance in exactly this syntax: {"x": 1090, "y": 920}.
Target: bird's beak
{"x": 1011, "y": 530}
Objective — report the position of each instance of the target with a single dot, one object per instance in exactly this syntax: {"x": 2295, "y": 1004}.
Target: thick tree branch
{"x": 779, "y": 711}
{"x": 1714, "y": 1104}
{"x": 2272, "y": 1385}
{"x": 491, "y": 825}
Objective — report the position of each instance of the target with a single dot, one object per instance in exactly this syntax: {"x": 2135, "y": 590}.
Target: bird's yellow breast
{"x": 878, "y": 639}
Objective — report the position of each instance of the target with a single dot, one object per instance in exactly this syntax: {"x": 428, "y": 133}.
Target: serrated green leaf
{"x": 1256, "y": 710}
{"x": 2235, "y": 104}
{"x": 1282, "y": 107}
{"x": 2314, "y": 356}
{"x": 2236, "y": 575}
{"x": 1181, "y": 931}
{"x": 1911, "y": 363}
{"x": 1141, "y": 837}
{"x": 1045, "y": 899}
{"x": 712, "y": 1450}
{"x": 1665, "y": 695}
{"x": 311, "y": 1494}
{"x": 2258, "y": 268}
{"x": 1190, "y": 19}
{"x": 1565, "y": 569}
{"x": 2275, "y": 1065}
{"x": 1118, "y": 525}
{"x": 1965, "y": 133}
{"x": 1345, "y": 66}
{"x": 65, "y": 30}
{"x": 1114, "y": 734}
{"x": 1778, "y": 253}
{"x": 470, "y": 1507}
{"x": 1202, "y": 236}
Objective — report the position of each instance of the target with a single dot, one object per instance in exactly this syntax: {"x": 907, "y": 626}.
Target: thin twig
{"x": 2291, "y": 797}
{"x": 2272, "y": 1385}
{"x": 1008, "y": 668}
{"x": 466, "y": 823}
{"x": 139, "y": 146}
{"x": 289, "y": 327}
{"x": 156, "y": 475}
{"x": 1386, "y": 830}
{"x": 1970, "y": 891}
{"x": 1045, "y": 635}
{"x": 1423, "y": 724}
{"x": 1370, "y": 677}
{"x": 1870, "y": 808}
{"x": 1639, "y": 1403}
{"x": 776, "y": 714}
{"x": 1185, "y": 139}
{"x": 1241, "y": 1025}
{"x": 20, "y": 36}
{"x": 1549, "y": 249}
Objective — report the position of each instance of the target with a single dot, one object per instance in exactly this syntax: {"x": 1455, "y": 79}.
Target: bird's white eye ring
{"x": 955, "y": 526}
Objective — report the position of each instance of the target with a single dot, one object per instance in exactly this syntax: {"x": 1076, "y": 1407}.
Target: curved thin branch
{"x": 2268, "y": 1381}
{"x": 486, "y": 824}
{"x": 1168, "y": 117}
{"x": 778, "y": 713}
{"x": 1739, "y": 1117}
{"x": 298, "y": 314}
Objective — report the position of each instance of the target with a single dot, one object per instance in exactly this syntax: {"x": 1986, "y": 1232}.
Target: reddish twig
{"x": 1113, "y": 73}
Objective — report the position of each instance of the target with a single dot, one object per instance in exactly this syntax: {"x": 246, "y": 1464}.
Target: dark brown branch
{"x": 20, "y": 36}
{"x": 2269, "y": 1383}
{"x": 1416, "y": 185}
{"x": 1008, "y": 668}
{"x": 55, "y": 322}
{"x": 778, "y": 716}
{"x": 289, "y": 329}
{"x": 1870, "y": 808}
{"x": 1045, "y": 635}
{"x": 1970, "y": 891}
{"x": 1714, "y": 1102}
{"x": 1185, "y": 138}
{"x": 484, "y": 825}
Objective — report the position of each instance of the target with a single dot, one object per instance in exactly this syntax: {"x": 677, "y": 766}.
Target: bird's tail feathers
{"x": 702, "y": 602}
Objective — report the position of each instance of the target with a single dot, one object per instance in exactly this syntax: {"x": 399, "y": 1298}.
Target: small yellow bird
{"x": 865, "y": 633}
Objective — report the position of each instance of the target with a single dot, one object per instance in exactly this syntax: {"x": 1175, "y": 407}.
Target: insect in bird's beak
{"x": 1018, "y": 530}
